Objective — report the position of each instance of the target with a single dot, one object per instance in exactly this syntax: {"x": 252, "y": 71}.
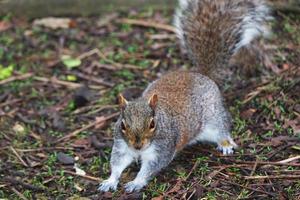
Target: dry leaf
{"x": 53, "y": 22}
{"x": 248, "y": 113}
{"x": 4, "y": 25}
{"x": 100, "y": 122}
{"x": 158, "y": 198}
{"x": 79, "y": 171}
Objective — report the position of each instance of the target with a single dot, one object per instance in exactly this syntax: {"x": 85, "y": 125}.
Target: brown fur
{"x": 211, "y": 32}
{"x": 174, "y": 98}
{"x": 174, "y": 94}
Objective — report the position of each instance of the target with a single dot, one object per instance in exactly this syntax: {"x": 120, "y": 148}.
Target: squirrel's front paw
{"x": 134, "y": 186}
{"x": 107, "y": 185}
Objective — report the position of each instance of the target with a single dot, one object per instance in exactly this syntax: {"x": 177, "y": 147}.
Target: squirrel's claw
{"x": 107, "y": 185}
{"x": 227, "y": 146}
{"x": 226, "y": 150}
{"x": 134, "y": 186}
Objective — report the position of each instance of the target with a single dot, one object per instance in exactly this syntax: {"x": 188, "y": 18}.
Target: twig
{"x": 270, "y": 163}
{"x": 54, "y": 80}
{"x": 148, "y": 24}
{"x": 83, "y": 176}
{"x": 25, "y": 185}
{"x": 97, "y": 107}
{"x": 76, "y": 132}
{"x": 254, "y": 168}
{"x": 162, "y": 36}
{"x": 248, "y": 188}
{"x": 96, "y": 80}
{"x": 279, "y": 150}
{"x": 290, "y": 159}
{"x": 247, "y": 183}
{"x": 45, "y": 149}
{"x": 18, "y": 156}
{"x": 103, "y": 57}
{"x": 272, "y": 177}
{"x": 16, "y": 78}
{"x": 100, "y": 109}
{"x": 193, "y": 168}
{"x": 10, "y": 102}
{"x": 18, "y": 193}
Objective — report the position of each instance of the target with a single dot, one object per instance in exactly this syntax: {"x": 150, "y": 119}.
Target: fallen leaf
{"x": 158, "y": 198}
{"x": 248, "y": 113}
{"x": 199, "y": 191}
{"x": 79, "y": 171}
{"x": 53, "y": 22}
{"x": 82, "y": 142}
{"x": 70, "y": 62}
{"x": 76, "y": 197}
{"x": 65, "y": 159}
{"x": 6, "y": 72}
{"x": 4, "y": 25}
{"x": 71, "y": 78}
{"x": 19, "y": 129}
{"x": 100, "y": 122}
{"x": 276, "y": 141}
{"x": 82, "y": 97}
{"x": 133, "y": 196}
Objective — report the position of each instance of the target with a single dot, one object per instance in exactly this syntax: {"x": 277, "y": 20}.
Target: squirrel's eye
{"x": 152, "y": 124}
{"x": 123, "y": 127}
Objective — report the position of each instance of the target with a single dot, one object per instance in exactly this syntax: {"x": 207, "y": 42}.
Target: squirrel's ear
{"x": 153, "y": 101}
{"x": 122, "y": 101}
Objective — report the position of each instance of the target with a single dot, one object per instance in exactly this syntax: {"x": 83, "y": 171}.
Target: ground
{"x": 58, "y": 92}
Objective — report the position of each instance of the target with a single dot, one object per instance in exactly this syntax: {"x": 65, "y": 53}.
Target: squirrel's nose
{"x": 138, "y": 146}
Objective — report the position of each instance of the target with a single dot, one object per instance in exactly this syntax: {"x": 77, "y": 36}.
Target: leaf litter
{"x": 57, "y": 113}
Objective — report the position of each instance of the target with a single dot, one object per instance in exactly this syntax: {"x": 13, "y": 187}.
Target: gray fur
{"x": 190, "y": 106}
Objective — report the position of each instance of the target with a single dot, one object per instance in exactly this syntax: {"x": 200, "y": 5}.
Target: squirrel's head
{"x": 137, "y": 121}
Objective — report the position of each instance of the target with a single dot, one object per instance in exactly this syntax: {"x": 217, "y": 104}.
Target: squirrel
{"x": 185, "y": 107}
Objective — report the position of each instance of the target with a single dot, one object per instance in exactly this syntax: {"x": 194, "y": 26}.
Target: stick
{"x": 25, "y": 185}
{"x": 18, "y": 156}
{"x": 76, "y": 132}
{"x": 18, "y": 193}
{"x": 10, "y": 102}
{"x": 102, "y": 56}
{"x": 96, "y": 80}
{"x": 272, "y": 177}
{"x": 54, "y": 80}
{"x": 45, "y": 149}
{"x": 249, "y": 188}
{"x": 251, "y": 174}
{"x": 270, "y": 163}
{"x": 193, "y": 168}
{"x": 148, "y": 24}
{"x": 16, "y": 78}
{"x": 290, "y": 159}
{"x": 83, "y": 176}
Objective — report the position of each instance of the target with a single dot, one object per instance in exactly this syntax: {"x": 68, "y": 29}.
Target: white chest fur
{"x": 146, "y": 154}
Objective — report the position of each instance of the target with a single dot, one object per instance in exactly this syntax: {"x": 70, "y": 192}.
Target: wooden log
{"x": 42, "y": 8}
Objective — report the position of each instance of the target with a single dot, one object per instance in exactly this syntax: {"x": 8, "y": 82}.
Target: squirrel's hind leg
{"x": 215, "y": 134}
{"x": 227, "y": 146}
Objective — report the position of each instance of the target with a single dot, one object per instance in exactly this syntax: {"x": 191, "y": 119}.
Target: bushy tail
{"x": 211, "y": 31}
